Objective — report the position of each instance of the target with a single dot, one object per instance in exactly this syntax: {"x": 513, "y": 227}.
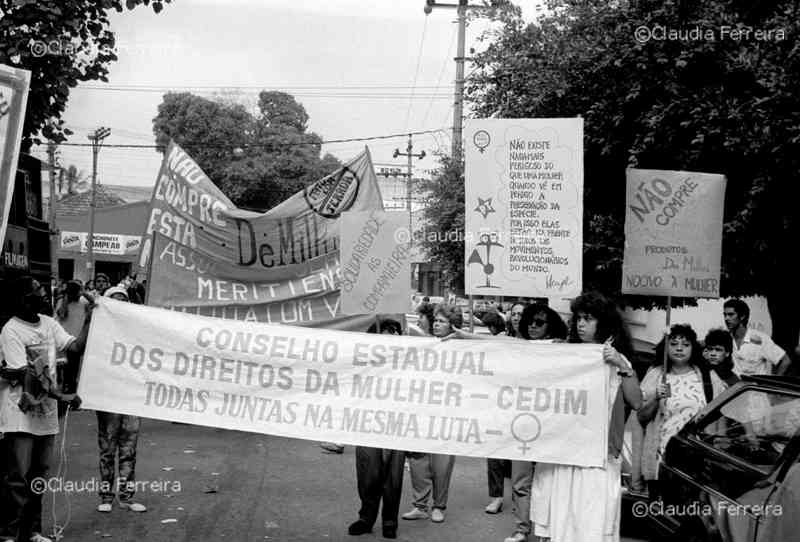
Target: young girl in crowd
{"x": 717, "y": 351}
{"x": 669, "y": 403}
{"x": 576, "y": 504}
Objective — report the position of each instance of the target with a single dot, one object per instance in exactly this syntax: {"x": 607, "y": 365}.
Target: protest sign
{"x": 208, "y": 251}
{"x": 376, "y": 267}
{"x": 14, "y": 85}
{"x": 516, "y": 400}
{"x": 673, "y": 233}
{"x": 104, "y": 243}
{"x": 524, "y": 207}
{"x": 188, "y": 281}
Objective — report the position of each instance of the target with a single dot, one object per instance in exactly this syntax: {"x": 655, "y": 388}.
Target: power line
{"x": 349, "y": 94}
{"x": 416, "y": 72}
{"x": 223, "y": 88}
{"x": 441, "y": 72}
{"x": 261, "y": 145}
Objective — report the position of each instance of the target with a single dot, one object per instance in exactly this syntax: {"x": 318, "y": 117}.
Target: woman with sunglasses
{"x": 536, "y": 322}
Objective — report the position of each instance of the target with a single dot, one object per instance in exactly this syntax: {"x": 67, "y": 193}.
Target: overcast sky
{"x": 314, "y": 49}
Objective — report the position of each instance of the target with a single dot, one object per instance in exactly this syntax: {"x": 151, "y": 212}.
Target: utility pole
{"x": 97, "y": 141}
{"x": 51, "y": 208}
{"x": 410, "y": 154}
{"x": 458, "y": 97}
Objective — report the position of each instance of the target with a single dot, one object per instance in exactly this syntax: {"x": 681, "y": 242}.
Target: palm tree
{"x": 74, "y": 178}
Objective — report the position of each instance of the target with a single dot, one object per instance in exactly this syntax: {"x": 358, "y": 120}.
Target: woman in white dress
{"x": 582, "y": 504}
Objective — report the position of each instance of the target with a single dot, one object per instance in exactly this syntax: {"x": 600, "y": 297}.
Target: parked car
{"x": 733, "y": 472}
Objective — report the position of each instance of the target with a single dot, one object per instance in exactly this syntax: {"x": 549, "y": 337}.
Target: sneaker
{"x": 437, "y": 515}
{"x": 133, "y": 506}
{"x": 517, "y": 537}
{"x": 415, "y": 513}
{"x": 104, "y": 507}
{"x": 332, "y": 448}
{"x": 494, "y": 506}
{"x": 37, "y": 537}
{"x": 359, "y": 527}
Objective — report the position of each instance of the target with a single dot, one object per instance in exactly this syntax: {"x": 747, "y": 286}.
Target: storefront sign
{"x": 104, "y": 243}
{"x": 15, "y": 248}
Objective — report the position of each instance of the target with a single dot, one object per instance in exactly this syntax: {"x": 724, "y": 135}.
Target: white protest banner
{"x": 524, "y": 207}
{"x": 104, "y": 243}
{"x": 673, "y": 233}
{"x": 516, "y": 400}
{"x": 14, "y": 85}
{"x": 376, "y": 267}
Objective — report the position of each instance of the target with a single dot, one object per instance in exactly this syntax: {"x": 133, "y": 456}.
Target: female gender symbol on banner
{"x": 526, "y": 428}
{"x": 481, "y": 140}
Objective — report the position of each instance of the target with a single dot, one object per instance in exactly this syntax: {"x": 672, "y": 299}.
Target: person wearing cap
{"x": 117, "y": 435}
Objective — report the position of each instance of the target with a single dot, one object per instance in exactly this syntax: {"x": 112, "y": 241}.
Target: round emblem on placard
{"x": 334, "y": 194}
{"x": 481, "y": 139}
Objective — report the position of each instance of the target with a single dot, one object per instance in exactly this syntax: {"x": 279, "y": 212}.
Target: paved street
{"x": 210, "y": 484}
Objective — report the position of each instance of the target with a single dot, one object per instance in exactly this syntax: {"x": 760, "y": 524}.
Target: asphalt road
{"x": 211, "y": 484}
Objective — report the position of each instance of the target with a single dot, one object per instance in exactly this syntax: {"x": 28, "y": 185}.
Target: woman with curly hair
{"x": 671, "y": 399}
{"x": 430, "y": 473}
{"x": 571, "y": 503}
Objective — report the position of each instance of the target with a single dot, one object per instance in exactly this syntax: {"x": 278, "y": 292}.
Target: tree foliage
{"x": 444, "y": 210}
{"x": 71, "y": 180}
{"x": 62, "y": 43}
{"x": 715, "y": 104}
{"x": 259, "y": 159}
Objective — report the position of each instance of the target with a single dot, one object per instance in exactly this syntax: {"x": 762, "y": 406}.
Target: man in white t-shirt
{"x": 754, "y": 352}
{"x": 29, "y": 421}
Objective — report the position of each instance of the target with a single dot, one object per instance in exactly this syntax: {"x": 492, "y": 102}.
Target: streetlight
{"x": 97, "y": 141}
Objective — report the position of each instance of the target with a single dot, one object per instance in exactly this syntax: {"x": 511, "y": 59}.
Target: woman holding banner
{"x": 430, "y": 473}
{"x": 117, "y": 436}
{"x": 575, "y": 504}
{"x": 536, "y": 322}
{"x": 379, "y": 473}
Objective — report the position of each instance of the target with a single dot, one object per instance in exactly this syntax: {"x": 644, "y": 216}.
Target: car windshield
{"x": 754, "y": 426}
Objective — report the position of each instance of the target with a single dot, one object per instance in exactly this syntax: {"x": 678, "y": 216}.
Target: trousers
{"x": 379, "y": 473}
{"x": 430, "y": 474}
{"x": 117, "y": 435}
{"x": 25, "y": 458}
